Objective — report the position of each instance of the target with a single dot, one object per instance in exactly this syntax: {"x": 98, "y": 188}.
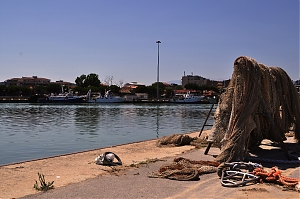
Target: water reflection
{"x": 87, "y": 119}
{"x": 157, "y": 121}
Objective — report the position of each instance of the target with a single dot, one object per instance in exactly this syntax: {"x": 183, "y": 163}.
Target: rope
{"x": 275, "y": 176}
{"x": 183, "y": 169}
{"x": 181, "y": 175}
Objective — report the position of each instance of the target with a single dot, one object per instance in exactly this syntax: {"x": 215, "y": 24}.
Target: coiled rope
{"x": 184, "y": 169}
{"x": 275, "y": 176}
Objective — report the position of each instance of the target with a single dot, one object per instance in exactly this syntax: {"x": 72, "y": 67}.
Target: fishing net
{"x": 185, "y": 169}
{"x": 260, "y": 103}
{"x": 175, "y": 140}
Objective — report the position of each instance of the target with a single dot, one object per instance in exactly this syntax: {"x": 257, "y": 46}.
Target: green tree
{"x": 141, "y": 89}
{"x": 80, "y": 90}
{"x": 40, "y": 90}
{"x": 53, "y": 88}
{"x": 13, "y": 90}
{"x": 114, "y": 89}
{"x": 192, "y": 86}
{"x": 89, "y": 80}
{"x": 178, "y": 87}
{"x": 2, "y": 90}
{"x": 169, "y": 92}
{"x": 152, "y": 90}
{"x": 80, "y": 80}
{"x": 212, "y": 88}
{"x": 95, "y": 88}
{"x": 160, "y": 85}
{"x": 25, "y": 90}
{"x": 92, "y": 80}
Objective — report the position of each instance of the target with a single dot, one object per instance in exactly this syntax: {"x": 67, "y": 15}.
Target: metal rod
{"x": 157, "y": 87}
{"x": 204, "y": 124}
{"x": 207, "y": 148}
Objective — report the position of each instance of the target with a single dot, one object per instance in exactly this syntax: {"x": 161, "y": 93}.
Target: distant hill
{"x": 178, "y": 82}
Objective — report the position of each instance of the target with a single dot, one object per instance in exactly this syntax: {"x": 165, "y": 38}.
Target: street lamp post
{"x": 158, "y": 42}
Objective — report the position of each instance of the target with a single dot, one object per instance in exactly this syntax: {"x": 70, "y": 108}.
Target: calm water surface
{"x": 31, "y": 131}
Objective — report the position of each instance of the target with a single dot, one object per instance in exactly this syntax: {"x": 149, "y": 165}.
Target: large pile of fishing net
{"x": 260, "y": 103}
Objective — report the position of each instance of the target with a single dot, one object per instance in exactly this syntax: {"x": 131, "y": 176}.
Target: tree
{"x": 177, "y": 87}
{"x": 25, "y": 90}
{"x": 40, "y": 90}
{"x": 169, "y": 92}
{"x": 92, "y": 80}
{"x": 141, "y": 89}
{"x": 114, "y": 88}
{"x": 85, "y": 81}
{"x": 80, "y": 81}
{"x": 2, "y": 90}
{"x": 121, "y": 83}
{"x": 13, "y": 90}
{"x": 152, "y": 90}
{"x": 108, "y": 80}
{"x": 192, "y": 86}
{"x": 53, "y": 88}
{"x": 212, "y": 88}
{"x": 160, "y": 85}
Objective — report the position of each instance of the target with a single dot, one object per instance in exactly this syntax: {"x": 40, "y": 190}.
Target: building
{"x": 126, "y": 89}
{"x": 34, "y": 81}
{"x": 200, "y": 81}
{"x": 133, "y": 84}
{"x": 63, "y": 83}
{"x": 27, "y": 81}
{"x": 193, "y": 79}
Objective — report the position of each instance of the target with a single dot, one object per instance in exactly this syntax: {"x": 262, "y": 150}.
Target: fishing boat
{"x": 63, "y": 97}
{"x": 107, "y": 98}
{"x": 187, "y": 98}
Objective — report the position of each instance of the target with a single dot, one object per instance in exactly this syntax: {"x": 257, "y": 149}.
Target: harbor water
{"x": 33, "y": 131}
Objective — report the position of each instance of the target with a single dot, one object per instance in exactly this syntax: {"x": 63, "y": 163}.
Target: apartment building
{"x": 27, "y": 81}
{"x": 63, "y": 83}
{"x": 195, "y": 79}
{"x": 34, "y": 81}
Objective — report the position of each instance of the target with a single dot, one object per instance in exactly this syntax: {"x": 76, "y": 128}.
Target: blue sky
{"x": 63, "y": 39}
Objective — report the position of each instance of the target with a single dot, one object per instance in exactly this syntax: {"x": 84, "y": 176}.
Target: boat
{"x": 63, "y": 97}
{"x": 187, "y": 98}
{"x": 107, "y": 98}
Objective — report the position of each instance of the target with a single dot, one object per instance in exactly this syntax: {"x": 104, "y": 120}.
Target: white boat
{"x": 107, "y": 98}
{"x": 187, "y": 98}
{"x": 63, "y": 97}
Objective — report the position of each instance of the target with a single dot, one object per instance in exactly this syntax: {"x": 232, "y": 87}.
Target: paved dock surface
{"x": 135, "y": 183}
